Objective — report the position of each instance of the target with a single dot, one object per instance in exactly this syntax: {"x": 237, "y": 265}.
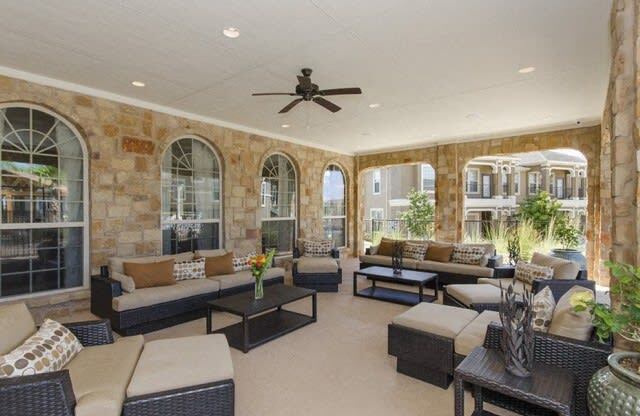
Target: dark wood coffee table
{"x": 407, "y": 277}
{"x": 254, "y": 330}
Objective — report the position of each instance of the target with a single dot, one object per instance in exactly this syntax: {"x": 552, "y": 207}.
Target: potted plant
{"x": 568, "y": 235}
{"x": 614, "y": 390}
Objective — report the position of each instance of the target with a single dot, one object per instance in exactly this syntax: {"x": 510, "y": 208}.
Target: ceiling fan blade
{"x": 305, "y": 82}
{"x": 340, "y": 91}
{"x": 272, "y": 93}
{"x": 326, "y": 104}
{"x": 290, "y": 105}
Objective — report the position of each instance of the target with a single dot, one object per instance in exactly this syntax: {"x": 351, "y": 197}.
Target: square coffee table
{"x": 407, "y": 277}
{"x": 258, "y": 327}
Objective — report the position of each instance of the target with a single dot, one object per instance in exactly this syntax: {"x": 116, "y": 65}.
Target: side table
{"x": 548, "y": 387}
{"x": 506, "y": 271}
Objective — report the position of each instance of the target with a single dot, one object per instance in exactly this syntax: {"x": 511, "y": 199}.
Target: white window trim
{"x": 376, "y": 172}
{"x": 467, "y": 181}
{"x": 346, "y": 204}
{"x": 86, "y": 270}
{"x": 220, "y": 220}
{"x": 422, "y": 166}
{"x": 372, "y": 210}
{"x": 517, "y": 178}
{"x": 538, "y": 181}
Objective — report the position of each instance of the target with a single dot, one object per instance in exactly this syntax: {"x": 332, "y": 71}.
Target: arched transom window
{"x": 334, "y": 206}
{"x": 278, "y": 204}
{"x": 191, "y": 194}
{"x": 43, "y": 221}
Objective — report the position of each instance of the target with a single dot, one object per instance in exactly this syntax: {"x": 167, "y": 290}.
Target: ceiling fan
{"x": 311, "y": 92}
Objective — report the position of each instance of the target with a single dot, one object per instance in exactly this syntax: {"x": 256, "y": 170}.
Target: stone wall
{"x": 449, "y": 161}
{"x": 126, "y": 144}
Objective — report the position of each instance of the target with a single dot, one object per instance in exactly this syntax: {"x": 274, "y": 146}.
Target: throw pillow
{"x": 439, "y": 252}
{"x": 464, "y": 254}
{"x": 414, "y": 251}
{"x": 151, "y": 274}
{"x": 543, "y": 307}
{"x": 320, "y": 248}
{"x": 385, "y": 248}
{"x": 562, "y": 268}
{"x": 219, "y": 265}
{"x": 527, "y": 272}
{"x": 242, "y": 263}
{"x": 568, "y": 323}
{"x": 187, "y": 270}
{"x": 126, "y": 282}
{"x": 49, "y": 349}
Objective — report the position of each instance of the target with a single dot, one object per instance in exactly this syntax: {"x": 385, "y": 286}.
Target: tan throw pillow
{"x": 568, "y": 323}
{"x": 320, "y": 248}
{"x": 188, "y": 270}
{"x": 49, "y": 349}
{"x": 543, "y": 307}
{"x": 463, "y": 254}
{"x": 439, "y": 252}
{"x": 385, "y": 248}
{"x": 151, "y": 274}
{"x": 527, "y": 272}
{"x": 414, "y": 251}
{"x": 219, "y": 265}
{"x": 126, "y": 282}
{"x": 562, "y": 268}
{"x": 242, "y": 263}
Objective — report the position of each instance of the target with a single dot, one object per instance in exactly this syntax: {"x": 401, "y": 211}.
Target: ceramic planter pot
{"x": 570, "y": 254}
{"x": 614, "y": 390}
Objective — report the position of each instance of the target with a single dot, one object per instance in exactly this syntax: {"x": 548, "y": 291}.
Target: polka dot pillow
{"x": 527, "y": 272}
{"x": 242, "y": 263}
{"x": 187, "y": 270}
{"x": 543, "y": 307}
{"x": 463, "y": 254}
{"x": 51, "y": 348}
{"x": 321, "y": 248}
{"x": 414, "y": 251}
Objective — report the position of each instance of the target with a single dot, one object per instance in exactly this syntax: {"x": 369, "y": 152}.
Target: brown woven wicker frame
{"x": 320, "y": 282}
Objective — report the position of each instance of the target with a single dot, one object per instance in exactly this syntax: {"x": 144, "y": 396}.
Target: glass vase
{"x": 259, "y": 288}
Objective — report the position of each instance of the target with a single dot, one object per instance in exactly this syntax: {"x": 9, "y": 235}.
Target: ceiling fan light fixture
{"x": 527, "y": 69}
{"x": 285, "y": 126}
{"x": 231, "y": 32}
{"x": 138, "y": 84}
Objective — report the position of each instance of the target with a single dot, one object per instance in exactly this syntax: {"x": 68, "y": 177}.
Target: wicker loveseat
{"x": 154, "y": 308}
{"x": 448, "y": 272}
{"x": 124, "y": 377}
{"x": 322, "y": 274}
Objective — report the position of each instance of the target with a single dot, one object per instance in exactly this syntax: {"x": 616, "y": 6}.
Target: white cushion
{"x": 154, "y": 295}
{"x": 169, "y": 364}
{"x": 562, "y": 268}
{"x": 474, "y": 294}
{"x": 16, "y": 325}
{"x": 227, "y": 281}
{"x": 473, "y": 335}
{"x": 443, "y": 320}
{"x": 568, "y": 323}
{"x": 518, "y": 286}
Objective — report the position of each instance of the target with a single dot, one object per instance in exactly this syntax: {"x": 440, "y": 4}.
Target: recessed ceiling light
{"x": 137, "y": 83}
{"x": 285, "y": 126}
{"x": 374, "y": 105}
{"x": 231, "y": 32}
{"x": 527, "y": 69}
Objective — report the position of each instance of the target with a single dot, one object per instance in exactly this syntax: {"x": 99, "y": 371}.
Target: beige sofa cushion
{"x": 244, "y": 277}
{"x": 317, "y": 265}
{"x": 175, "y": 363}
{"x": 474, "y": 294}
{"x": 568, "y": 323}
{"x": 443, "y": 320}
{"x": 116, "y": 263}
{"x": 154, "y": 295}
{"x": 465, "y": 269}
{"x": 562, "y": 269}
{"x": 472, "y": 335}
{"x": 379, "y": 260}
{"x": 16, "y": 325}
{"x": 518, "y": 287}
{"x": 100, "y": 376}
{"x": 210, "y": 253}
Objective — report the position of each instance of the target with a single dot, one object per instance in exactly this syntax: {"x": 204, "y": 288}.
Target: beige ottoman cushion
{"x": 518, "y": 286}
{"x": 169, "y": 364}
{"x": 474, "y": 294}
{"x": 443, "y": 320}
{"x": 317, "y": 265}
{"x": 473, "y": 334}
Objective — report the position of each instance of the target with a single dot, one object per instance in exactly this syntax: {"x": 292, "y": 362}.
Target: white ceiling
{"x": 429, "y": 63}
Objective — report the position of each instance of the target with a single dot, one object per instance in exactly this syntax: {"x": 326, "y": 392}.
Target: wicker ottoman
{"x": 479, "y": 297}
{"x": 322, "y": 274}
{"x": 422, "y": 339}
{"x": 183, "y": 376}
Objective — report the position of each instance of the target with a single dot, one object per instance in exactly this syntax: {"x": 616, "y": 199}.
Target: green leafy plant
{"x": 513, "y": 248}
{"x": 624, "y": 318}
{"x": 419, "y": 217}
{"x": 567, "y": 234}
{"x": 541, "y": 210}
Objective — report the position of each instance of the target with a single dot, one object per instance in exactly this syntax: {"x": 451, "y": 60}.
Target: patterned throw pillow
{"x": 49, "y": 349}
{"x": 414, "y": 251}
{"x": 464, "y": 254}
{"x": 187, "y": 270}
{"x": 321, "y": 248}
{"x": 527, "y": 272}
{"x": 242, "y": 263}
{"x": 543, "y": 306}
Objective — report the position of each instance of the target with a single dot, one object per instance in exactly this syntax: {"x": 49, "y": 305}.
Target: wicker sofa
{"x": 448, "y": 273}
{"x": 150, "y": 309}
{"x": 105, "y": 377}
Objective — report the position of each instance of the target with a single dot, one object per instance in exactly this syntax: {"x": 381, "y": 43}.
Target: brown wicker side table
{"x": 547, "y": 388}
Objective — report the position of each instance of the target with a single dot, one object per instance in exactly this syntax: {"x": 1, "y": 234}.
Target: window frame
{"x": 220, "y": 220}
{"x": 372, "y": 210}
{"x": 538, "y": 182}
{"x": 422, "y": 177}
{"x": 86, "y": 200}
{"x": 516, "y": 183}
{"x": 346, "y": 203}
{"x": 376, "y": 173}
{"x": 468, "y": 182}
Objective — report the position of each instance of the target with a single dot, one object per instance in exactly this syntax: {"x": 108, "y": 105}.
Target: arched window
{"x": 191, "y": 194}
{"x": 43, "y": 226}
{"x": 334, "y": 206}
{"x": 278, "y": 204}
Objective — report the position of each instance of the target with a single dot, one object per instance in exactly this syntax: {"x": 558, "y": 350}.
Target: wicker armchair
{"x": 582, "y": 358}
{"x": 319, "y": 279}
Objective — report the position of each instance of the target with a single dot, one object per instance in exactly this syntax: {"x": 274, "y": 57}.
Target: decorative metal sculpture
{"x": 517, "y": 340}
{"x": 396, "y": 256}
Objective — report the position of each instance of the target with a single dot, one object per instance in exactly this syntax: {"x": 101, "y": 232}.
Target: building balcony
{"x": 489, "y": 203}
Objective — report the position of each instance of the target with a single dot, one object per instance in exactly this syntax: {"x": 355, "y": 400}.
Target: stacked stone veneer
{"x": 126, "y": 145}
